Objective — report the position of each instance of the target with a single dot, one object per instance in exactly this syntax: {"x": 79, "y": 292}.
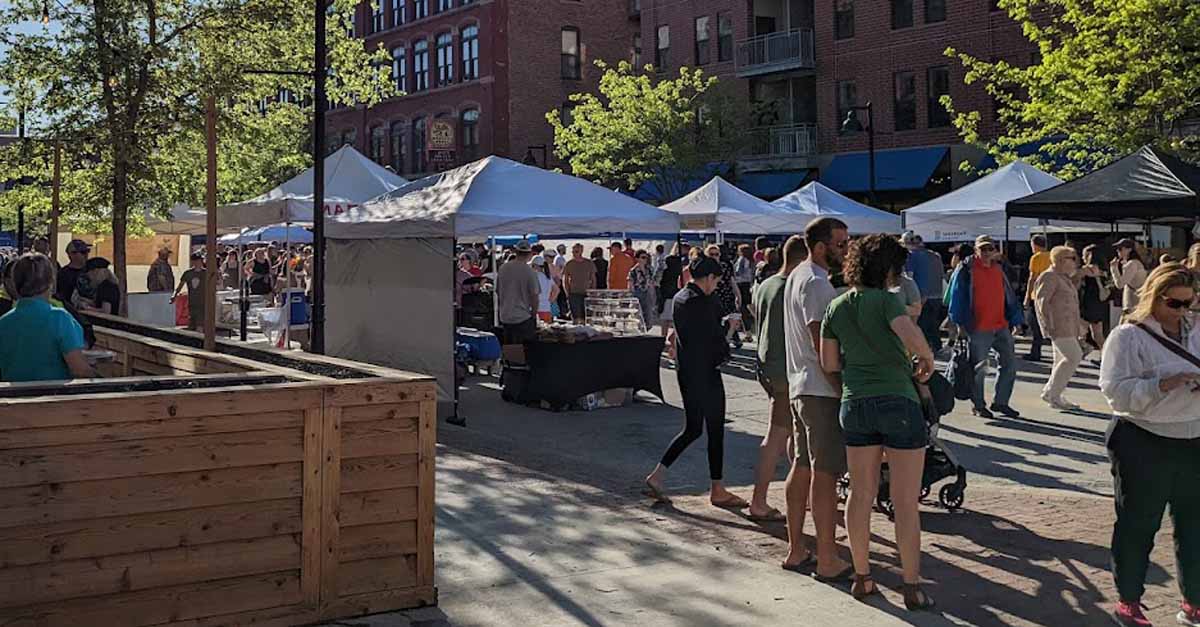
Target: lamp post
{"x": 853, "y": 125}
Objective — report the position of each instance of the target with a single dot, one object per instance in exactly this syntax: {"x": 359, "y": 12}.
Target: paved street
{"x": 540, "y": 522}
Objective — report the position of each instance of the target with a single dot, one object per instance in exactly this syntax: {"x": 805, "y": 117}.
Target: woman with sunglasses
{"x": 1056, "y": 298}
{"x": 641, "y": 280}
{"x": 1150, "y": 375}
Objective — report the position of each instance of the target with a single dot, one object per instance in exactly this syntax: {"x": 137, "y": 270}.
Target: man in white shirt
{"x": 816, "y": 398}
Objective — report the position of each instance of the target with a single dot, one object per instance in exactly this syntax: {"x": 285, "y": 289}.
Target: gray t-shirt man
{"x": 517, "y": 291}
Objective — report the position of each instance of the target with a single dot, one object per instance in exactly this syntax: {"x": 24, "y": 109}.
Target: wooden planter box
{"x": 221, "y": 491}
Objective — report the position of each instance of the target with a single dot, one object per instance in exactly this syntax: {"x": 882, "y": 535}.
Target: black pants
{"x": 520, "y": 332}
{"x": 704, "y": 409}
{"x": 1035, "y": 328}
{"x": 930, "y": 322}
{"x": 1149, "y": 473}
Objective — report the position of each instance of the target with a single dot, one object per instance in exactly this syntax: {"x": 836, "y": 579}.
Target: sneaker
{"x": 1060, "y": 403}
{"x": 982, "y": 412}
{"x": 1130, "y": 615}
{"x": 1188, "y": 614}
{"x": 1067, "y": 405}
{"x": 1005, "y": 410}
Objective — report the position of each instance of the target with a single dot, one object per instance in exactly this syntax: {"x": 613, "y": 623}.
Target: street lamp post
{"x": 317, "y": 341}
{"x": 853, "y": 125}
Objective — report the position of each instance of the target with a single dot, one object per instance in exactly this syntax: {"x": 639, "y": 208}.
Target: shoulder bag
{"x": 1170, "y": 345}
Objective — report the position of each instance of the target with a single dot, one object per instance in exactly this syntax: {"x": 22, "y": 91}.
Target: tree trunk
{"x": 120, "y": 219}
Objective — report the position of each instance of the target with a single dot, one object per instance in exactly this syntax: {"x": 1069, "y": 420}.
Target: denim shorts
{"x": 891, "y": 421}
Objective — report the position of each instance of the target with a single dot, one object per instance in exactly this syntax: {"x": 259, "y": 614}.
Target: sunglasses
{"x": 1175, "y": 303}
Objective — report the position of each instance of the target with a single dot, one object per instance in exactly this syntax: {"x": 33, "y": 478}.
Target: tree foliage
{"x": 642, "y": 129}
{"x": 1110, "y": 76}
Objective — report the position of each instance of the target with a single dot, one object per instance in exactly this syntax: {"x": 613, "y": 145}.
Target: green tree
{"x": 641, "y": 129}
{"x": 121, "y": 84}
{"x": 1113, "y": 75}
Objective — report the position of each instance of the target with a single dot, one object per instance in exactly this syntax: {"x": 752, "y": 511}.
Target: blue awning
{"x": 904, "y": 169}
{"x": 772, "y": 185}
{"x": 649, "y": 192}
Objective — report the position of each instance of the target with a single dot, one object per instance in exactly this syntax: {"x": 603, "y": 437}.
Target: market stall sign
{"x": 441, "y": 145}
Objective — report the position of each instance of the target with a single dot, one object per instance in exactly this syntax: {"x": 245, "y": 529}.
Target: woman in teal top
{"x": 38, "y": 341}
{"x": 867, "y": 339}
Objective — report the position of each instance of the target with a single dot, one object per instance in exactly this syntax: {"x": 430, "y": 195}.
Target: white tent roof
{"x": 815, "y": 201}
{"x": 978, "y": 208}
{"x": 721, "y": 206}
{"x": 350, "y": 179}
{"x": 497, "y": 196}
{"x": 182, "y": 220}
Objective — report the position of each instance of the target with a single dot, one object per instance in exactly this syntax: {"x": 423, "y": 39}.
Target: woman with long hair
{"x": 601, "y": 268}
{"x": 743, "y": 278}
{"x": 641, "y": 283}
{"x": 867, "y": 339}
{"x": 1150, "y": 376}
{"x": 728, "y": 296}
{"x": 548, "y": 289}
{"x": 1093, "y": 298}
{"x": 1128, "y": 273}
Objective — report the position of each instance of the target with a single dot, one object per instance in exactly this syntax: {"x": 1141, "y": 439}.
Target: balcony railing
{"x": 793, "y": 140}
{"x": 635, "y": 8}
{"x": 776, "y": 52}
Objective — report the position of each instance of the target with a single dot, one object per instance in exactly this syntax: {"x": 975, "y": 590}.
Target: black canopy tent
{"x": 1148, "y": 186}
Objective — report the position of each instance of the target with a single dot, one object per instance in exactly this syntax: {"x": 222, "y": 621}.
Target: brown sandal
{"x": 916, "y": 599}
{"x": 859, "y": 590}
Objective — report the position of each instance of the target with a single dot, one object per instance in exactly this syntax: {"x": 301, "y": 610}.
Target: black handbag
{"x": 960, "y": 372}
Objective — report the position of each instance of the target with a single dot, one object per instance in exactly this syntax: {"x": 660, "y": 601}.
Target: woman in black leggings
{"x": 701, "y": 349}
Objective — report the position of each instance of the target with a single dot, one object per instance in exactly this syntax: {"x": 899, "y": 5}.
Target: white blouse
{"x": 1131, "y": 367}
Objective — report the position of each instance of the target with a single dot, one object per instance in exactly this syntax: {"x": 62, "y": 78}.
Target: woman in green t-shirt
{"x": 866, "y": 340}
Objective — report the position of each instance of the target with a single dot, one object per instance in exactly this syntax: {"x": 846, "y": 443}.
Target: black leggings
{"x": 703, "y": 408}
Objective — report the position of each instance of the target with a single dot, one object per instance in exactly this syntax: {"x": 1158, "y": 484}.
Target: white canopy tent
{"x": 722, "y": 207}
{"x": 181, "y": 220}
{"x": 390, "y": 284}
{"x": 815, "y": 200}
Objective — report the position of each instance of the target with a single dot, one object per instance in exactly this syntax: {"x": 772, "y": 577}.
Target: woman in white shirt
{"x": 1128, "y": 273}
{"x": 1150, "y": 376}
{"x": 548, "y": 289}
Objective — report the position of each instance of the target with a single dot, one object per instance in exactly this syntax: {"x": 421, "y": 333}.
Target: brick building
{"x": 493, "y": 68}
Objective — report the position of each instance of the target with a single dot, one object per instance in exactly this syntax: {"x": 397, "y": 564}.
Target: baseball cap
{"x": 78, "y": 246}
{"x": 1125, "y": 242}
{"x": 96, "y": 262}
{"x": 702, "y": 266}
{"x": 985, "y": 240}
{"x": 909, "y": 238}
{"x": 522, "y": 246}
{"x": 538, "y": 260}
{"x": 549, "y": 252}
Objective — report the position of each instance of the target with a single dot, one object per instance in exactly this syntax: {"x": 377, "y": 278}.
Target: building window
{"x": 420, "y": 9}
{"x": 421, "y": 65}
{"x": 847, "y": 97}
{"x": 724, "y": 37}
{"x": 377, "y": 16}
{"x": 637, "y": 52}
{"x": 445, "y": 5}
{"x": 570, "y": 53}
{"x": 399, "y": 69}
{"x": 470, "y": 135}
{"x": 376, "y": 146}
{"x": 938, "y": 85}
{"x": 419, "y": 157}
{"x": 399, "y": 7}
{"x": 397, "y": 137}
{"x": 905, "y": 101}
{"x": 445, "y": 59}
{"x": 566, "y": 114}
{"x": 843, "y": 19}
{"x": 470, "y": 53}
{"x": 662, "y": 47}
{"x": 935, "y": 11}
{"x": 702, "y": 52}
{"x": 902, "y": 14}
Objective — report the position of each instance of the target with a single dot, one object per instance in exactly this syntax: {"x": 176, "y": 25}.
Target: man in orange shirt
{"x": 619, "y": 265}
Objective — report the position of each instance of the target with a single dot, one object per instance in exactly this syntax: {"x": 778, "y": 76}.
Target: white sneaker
{"x": 1059, "y": 403}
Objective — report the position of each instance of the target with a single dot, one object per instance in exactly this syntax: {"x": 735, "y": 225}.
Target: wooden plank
{"x": 62, "y": 581}
{"x": 379, "y": 473}
{"x": 374, "y": 541}
{"x": 425, "y": 493}
{"x": 145, "y": 532}
{"x": 90, "y": 462}
{"x": 376, "y": 602}
{"x": 160, "y": 605}
{"x": 142, "y": 406}
{"x": 368, "y": 508}
{"x": 331, "y": 485}
{"x": 380, "y": 411}
{"x": 310, "y": 570}
{"x": 379, "y": 437}
{"x": 110, "y": 370}
{"x": 387, "y": 573}
{"x": 128, "y": 431}
{"x": 286, "y": 616}
{"x": 52, "y": 503}
{"x": 364, "y": 393}
{"x": 140, "y": 366}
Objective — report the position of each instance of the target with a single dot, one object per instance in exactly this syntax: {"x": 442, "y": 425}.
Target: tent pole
{"x": 495, "y": 284}
{"x": 243, "y": 287}
{"x": 454, "y": 418}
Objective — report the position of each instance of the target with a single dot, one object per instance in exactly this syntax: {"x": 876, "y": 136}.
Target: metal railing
{"x": 775, "y": 52}
{"x": 793, "y": 140}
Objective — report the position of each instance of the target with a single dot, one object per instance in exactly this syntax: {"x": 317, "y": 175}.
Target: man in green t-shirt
{"x": 769, "y": 299}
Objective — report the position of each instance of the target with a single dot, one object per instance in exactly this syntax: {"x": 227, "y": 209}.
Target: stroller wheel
{"x": 951, "y": 496}
{"x": 925, "y": 492}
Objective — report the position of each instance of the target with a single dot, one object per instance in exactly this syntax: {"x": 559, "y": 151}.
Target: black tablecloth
{"x": 562, "y": 373}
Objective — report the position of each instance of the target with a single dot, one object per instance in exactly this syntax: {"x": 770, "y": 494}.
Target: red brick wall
{"x": 681, "y": 18}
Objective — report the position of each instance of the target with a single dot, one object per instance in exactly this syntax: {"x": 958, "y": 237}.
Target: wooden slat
{"x": 128, "y": 431}
{"x": 43, "y": 583}
{"x": 388, "y": 573}
{"x": 142, "y": 366}
{"x": 310, "y": 571}
{"x": 110, "y": 370}
{"x": 368, "y": 508}
{"x": 365, "y": 393}
{"x": 286, "y": 616}
{"x": 425, "y": 493}
{"x": 144, "y": 532}
{"x": 381, "y": 411}
{"x": 91, "y": 499}
{"x": 374, "y": 541}
{"x": 90, "y": 462}
{"x": 160, "y": 605}
{"x": 379, "y": 437}
{"x": 376, "y": 602}
{"x": 331, "y": 485}
{"x": 142, "y": 406}
{"x": 379, "y": 473}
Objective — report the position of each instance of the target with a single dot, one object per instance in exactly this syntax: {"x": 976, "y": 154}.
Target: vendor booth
{"x": 390, "y": 282}
{"x": 815, "y": 201}
{"x": 719, "y": 206}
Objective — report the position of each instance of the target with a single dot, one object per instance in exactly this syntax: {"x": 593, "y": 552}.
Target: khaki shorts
{"x": 818, "y": 434}
{"x": 780, "y": 403}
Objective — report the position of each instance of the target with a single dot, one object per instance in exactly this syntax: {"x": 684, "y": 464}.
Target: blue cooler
{"x": 298, "y": 305}
{"x": 483, "y": 346}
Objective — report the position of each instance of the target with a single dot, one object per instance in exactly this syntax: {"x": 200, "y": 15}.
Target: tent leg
{"x": 454, "y": 418}
{"x": 243, "y": 288}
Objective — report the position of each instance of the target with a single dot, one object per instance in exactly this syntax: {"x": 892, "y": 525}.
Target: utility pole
{"x": 317, "y": 344}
